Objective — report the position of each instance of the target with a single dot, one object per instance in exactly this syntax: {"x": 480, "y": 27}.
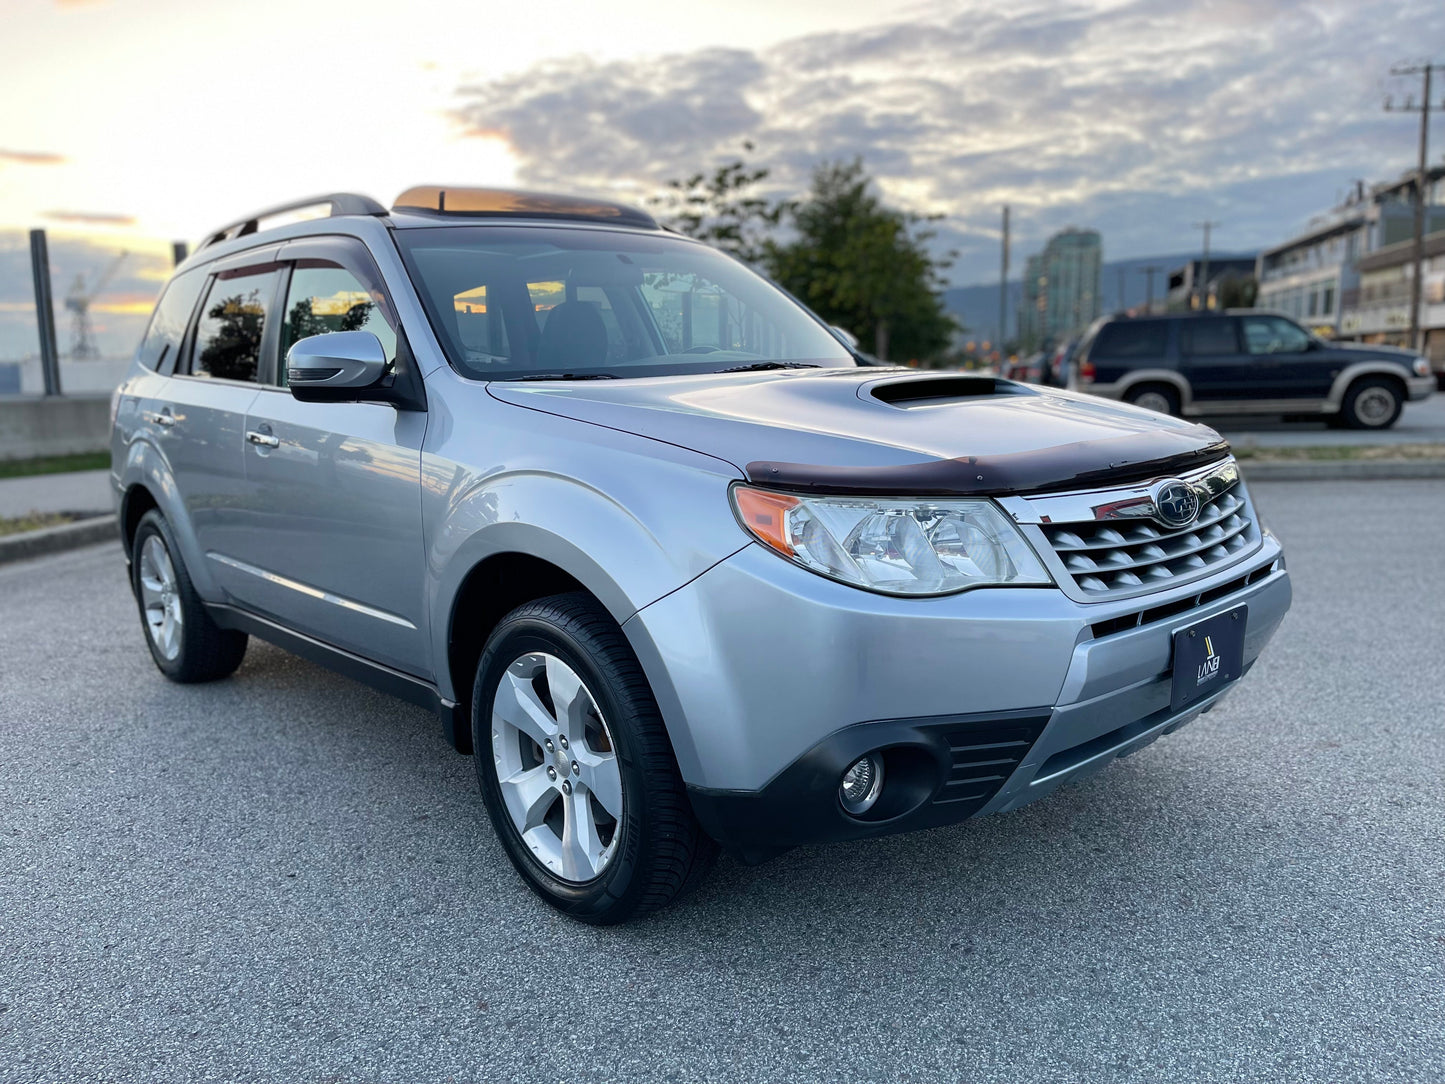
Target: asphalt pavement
{"x": 288, "y": 877}
{"x": 1420, "y": 423}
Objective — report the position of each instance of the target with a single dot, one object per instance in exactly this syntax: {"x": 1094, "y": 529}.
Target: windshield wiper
{"x": 760, "y": 366}
{"x": 568, "y": 376}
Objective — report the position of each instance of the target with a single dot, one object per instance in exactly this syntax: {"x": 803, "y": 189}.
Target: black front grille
{"x": 983, "y": 756}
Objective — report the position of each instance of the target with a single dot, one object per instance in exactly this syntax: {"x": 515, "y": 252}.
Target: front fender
{"x": 632, "y": 519}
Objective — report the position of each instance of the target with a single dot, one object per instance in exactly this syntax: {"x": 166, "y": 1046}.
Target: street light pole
{"x": 1149, "y": 272}
{"x": 1202, "y": 288}
{"x": 1003, "y": 287}
{"x": 1417, "y": 256}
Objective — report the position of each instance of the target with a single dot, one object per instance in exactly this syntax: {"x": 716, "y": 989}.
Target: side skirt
{"x": 413, "y": 690}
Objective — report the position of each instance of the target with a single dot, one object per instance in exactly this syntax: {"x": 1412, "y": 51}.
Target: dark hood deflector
{"x": 1111, "y": 461}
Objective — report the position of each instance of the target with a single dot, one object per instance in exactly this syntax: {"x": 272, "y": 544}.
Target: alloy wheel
{"x": 557, "y": 767}
{"x": 160, "y": 598}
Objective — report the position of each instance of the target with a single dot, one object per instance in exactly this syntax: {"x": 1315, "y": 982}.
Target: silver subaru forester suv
{"x": 681, "y": 568}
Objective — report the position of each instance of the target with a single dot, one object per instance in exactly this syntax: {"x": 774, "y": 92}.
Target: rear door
{"x": 200, "y": 416}
{"x": 1212, "y": 361}
{"x": 334, "y": 543}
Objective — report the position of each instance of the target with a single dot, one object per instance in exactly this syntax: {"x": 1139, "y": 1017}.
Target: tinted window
{"x": 233, "y": 319}
{"x": 480, "y": 328}
{"x": 1273, "y": 335}
{"x": 172, "y": 315}
{"x": 325, "y": 297}
{"x": 1208, "y": 337}
{"x": 1131, "y": 339}
{"x": 594, "y": 301}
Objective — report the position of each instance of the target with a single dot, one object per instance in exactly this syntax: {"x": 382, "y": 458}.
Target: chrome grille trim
{"x": 1100, "y": 547}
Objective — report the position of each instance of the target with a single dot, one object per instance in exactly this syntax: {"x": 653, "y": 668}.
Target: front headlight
{"x": 1422, "y": 367}
{"x": 896, "y": 547}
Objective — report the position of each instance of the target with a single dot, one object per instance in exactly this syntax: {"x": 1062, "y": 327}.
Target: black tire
{"x": 1168, "y": 395}
{"x": 662, "y": 851}
{"x": 205, "y": 651}
{"x": 1372, "y": 403}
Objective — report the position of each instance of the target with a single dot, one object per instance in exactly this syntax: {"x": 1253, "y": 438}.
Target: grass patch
{"x": 1340, "y": 452}
{"x": 34, "y": 521}
{"x": 54, "y": 464}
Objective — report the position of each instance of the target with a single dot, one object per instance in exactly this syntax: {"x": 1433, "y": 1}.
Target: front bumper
{"x": 772, "y": 680}
{"x": 1421, "y": 387}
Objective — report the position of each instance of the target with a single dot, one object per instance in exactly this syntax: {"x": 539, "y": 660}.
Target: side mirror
{"x": 846, "y": 337}
{"x": 344, "y": 362}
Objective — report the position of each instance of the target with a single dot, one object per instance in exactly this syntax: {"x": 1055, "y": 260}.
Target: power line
{"x": 1425, "y": 71}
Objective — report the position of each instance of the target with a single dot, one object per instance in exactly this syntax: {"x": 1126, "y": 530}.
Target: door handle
{"x": 163, "y": 417}
{"x": 265, "y": 440}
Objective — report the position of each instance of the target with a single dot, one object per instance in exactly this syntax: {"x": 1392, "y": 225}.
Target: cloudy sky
{"x": 131, "y": 122}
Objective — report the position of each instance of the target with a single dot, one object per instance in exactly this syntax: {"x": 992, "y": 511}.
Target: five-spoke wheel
{"x": 575, "y": 765}
{"x": 557, "y": 766}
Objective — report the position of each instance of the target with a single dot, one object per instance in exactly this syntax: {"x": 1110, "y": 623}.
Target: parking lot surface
{"x": 287, "y": 877}
{"x": 1420, "y": 423}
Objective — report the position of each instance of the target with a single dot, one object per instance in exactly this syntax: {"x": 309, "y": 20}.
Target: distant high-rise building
{"x": 1061, "y": 288}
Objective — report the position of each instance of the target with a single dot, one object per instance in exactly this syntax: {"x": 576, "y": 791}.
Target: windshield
{"x": 513, "y": 302}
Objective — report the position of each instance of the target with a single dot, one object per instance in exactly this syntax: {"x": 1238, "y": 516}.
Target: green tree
{"x": 864, "y": 266}
{"x": 724, "y": 209}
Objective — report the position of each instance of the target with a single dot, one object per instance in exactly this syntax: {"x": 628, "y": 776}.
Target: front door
{"x": 1291, "y": 362}
{"x": 334, "y": 544}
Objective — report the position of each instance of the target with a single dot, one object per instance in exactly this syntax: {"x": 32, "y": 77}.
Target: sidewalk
{"x": 79, "y": 491}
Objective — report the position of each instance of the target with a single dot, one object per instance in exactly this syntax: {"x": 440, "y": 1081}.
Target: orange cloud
{"x": 91, "y": 218}
{"x": 32, "y": 158}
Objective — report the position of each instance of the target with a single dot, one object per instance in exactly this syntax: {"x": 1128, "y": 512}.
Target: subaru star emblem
{"x": 1176, "y": 504}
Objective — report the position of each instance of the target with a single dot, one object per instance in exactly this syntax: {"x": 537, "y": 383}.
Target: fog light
{"x": 862, "y": 783}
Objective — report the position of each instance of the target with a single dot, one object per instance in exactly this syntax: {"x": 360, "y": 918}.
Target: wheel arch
{"x": 1351, "y": 375}
{"x": 1174, "y": 379}
{"x": 146, "y": 483}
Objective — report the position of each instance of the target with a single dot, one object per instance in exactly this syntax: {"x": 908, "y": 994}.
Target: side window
{"x": 173, "y": 312}
{"x": 324, "y": 297}
{"x": 1208, "y": 337}
{"x": 233, "y": 320}
{"x": 1131, "y": 339}
{"x": 1273, "y": 335}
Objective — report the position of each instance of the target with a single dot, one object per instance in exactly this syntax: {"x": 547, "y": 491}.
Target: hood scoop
{"x": 938, "y": 390}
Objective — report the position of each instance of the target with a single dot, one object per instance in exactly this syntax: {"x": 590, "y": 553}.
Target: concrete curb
{"x": 1358, "y": 470}
{"x": 68, "y": 536}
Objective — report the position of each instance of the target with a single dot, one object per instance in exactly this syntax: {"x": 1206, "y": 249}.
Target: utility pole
{"x": 1425, "y": 71}
{"x": 1119, "y": 271}
{"x": 44, "y": 311}
{"x": 1149, "y": 272}
{"x": 1202, "y": 287}
{"x": 1003, "y": 288}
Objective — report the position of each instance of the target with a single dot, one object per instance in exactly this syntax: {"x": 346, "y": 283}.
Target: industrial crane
{"x": 77, "y": 302}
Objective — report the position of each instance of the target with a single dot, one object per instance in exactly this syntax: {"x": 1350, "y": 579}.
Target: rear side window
{"x": 1131, "y": 339}
{"x": 1208, "y": 337}
{"x": 173, "y": 313}
{"x": 233, "y": 320}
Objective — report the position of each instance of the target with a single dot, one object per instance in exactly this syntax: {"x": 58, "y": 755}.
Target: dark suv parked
{"x": 1246, "y": 362}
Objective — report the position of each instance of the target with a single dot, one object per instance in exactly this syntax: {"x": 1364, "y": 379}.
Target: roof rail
{"x": 505, "y": 202}
{"x": 341, "y": 203}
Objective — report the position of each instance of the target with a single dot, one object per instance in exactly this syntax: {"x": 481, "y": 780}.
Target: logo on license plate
{"x": 1209, "y": 668}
